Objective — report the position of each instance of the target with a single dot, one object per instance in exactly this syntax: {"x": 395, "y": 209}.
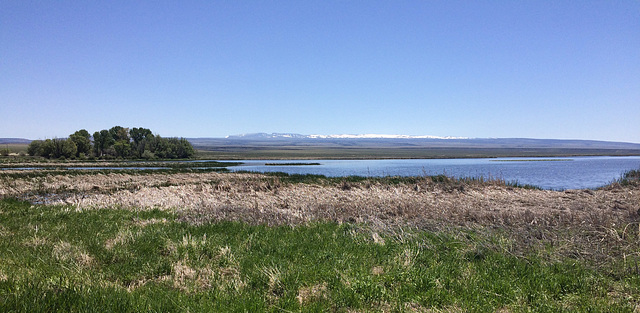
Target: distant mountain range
{"x": 343, "y": 136}
{"x": 389, "y": 141}
{"x": 404, "y": 141}
{"x": 5, "y": 141}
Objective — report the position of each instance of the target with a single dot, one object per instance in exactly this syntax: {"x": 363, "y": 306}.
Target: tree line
{"x": 116, "y": 142}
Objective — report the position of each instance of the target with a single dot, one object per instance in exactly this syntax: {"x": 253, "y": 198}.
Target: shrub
{"x": 148, "y": 155}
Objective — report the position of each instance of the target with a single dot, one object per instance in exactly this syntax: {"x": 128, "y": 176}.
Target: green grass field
{"x": 59, "y": 258}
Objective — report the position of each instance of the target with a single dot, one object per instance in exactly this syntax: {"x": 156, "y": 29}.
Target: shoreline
{"x": 242, "y": 237}
{"x": 423, "y": 203}
{"x": 310, "y": 197}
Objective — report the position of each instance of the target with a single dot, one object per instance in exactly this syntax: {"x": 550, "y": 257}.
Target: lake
{"x": 555, "y": 173}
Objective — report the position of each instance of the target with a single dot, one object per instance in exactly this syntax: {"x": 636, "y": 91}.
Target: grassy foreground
{"x": 61, "y": 258}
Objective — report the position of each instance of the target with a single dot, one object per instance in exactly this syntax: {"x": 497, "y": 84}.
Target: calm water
{"x": 547, "y": 173}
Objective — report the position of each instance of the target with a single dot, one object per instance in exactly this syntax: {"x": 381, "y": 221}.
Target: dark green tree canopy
{"x": 53, "y": 148}
{"x": 82, "y": 139}
{"x": 119, "y": 133}
{"x": 102, "y": 140}
{"x": 139, "y": 134}
{"x": 116, "y": 142}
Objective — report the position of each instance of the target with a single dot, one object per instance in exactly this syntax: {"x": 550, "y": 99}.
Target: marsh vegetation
{"x": 189, "y": 241}
{"x": 291, "y": 164}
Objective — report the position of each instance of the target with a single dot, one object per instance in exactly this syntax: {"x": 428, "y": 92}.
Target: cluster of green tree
{"x": 5, "y": 151}
{"x": 117, "y": 142}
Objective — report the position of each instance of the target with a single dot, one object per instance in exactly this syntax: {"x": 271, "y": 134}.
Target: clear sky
{"x": 537, "y": 69}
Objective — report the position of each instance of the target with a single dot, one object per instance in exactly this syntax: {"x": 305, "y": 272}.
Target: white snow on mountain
{"x": 342, "y": 136}
{"x": 381, "y": 136}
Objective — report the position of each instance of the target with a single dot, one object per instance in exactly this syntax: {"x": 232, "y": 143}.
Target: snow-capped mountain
{"x": 421, "y": 142}
{"x": 381, "y": 136}
{"x": 343, "y": 136}
{"x": 265, "y": 136}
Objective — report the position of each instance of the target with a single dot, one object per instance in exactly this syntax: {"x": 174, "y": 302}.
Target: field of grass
{"x": 13, "y": 148}
{"x": 186, "y": 241}
{"x": 60, "y": 258}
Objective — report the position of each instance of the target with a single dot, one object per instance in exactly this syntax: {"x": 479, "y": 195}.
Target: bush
{"x": 148, "y": 155}
{"x": 35, "y": 148}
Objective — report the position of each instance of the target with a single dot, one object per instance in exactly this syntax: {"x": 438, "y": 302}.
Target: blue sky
{"x": 537, "y": 69}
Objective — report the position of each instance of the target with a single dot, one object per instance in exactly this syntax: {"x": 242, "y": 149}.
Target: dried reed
{"x": 579, "y": 222}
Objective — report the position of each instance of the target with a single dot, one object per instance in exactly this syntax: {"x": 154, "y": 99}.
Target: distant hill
{"x": 374, "y": 140}
{"x": 291, "y": 145}
{"x": 267, "y": 136}
{"x": 342, "y": 136}
{"x": 5, "y": 141}
{"x": 296, "y": 146}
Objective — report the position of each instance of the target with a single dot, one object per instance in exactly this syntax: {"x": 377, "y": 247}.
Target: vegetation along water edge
{"x": 208, "y": 241}
{"x": 116, "y": 142}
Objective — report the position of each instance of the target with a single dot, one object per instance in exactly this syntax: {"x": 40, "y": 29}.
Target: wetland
{"x": 185, "y": 238}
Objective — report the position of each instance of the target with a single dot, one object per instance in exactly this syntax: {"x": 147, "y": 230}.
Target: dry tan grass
{"x": 312, "y": 293}
{"x": 256, "y": 199}
{"x": 377, "y": 270}
{"x": 387, "y": 205}
{"x": 123, "y": 237}
{"x": 191, "y": 275}
{"x": 5, "y": 232}
{"x": 188, "y": 278}
{"x": 144, "y": 223}
{"x": 274, "y": 276}
{"x": 103, "y": 183}
{"x": 603, "y": 219}
{"x": 407, "y": 257}
{"x": 35, "y": 241}
{"x": 252, "y": 198}
{"x": 417, "y": 308}
{"x": 65, "y": 252}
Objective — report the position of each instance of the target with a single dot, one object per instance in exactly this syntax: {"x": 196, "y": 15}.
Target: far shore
{"x": 312, "y": 152}
{"x": 317, "y": 153}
